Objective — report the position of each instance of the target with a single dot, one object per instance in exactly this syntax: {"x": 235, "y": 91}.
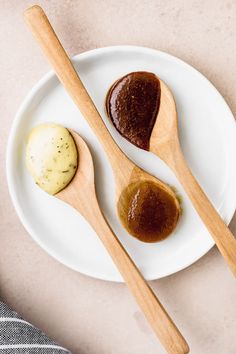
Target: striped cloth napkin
{"x": 20, "y": 337}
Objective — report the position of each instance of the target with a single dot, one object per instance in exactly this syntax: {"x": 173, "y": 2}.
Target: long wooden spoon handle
{"x": 164, "y": 327}
{"x": 221, "y": 234}
{"x": 42, "y": 30}
{"x": 162, "y": 324}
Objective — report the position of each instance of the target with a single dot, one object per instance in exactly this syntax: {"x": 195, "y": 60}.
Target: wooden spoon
{"x": 127, "y": 174}
{"x": 164, "y": 142}
{"x": 77, "y": 193}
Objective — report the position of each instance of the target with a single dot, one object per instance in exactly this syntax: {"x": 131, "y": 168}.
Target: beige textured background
{"x": 101, "y": 317}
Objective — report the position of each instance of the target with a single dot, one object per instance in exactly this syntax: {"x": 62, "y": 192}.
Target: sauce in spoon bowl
{"x": 51, "y": 157}
{"x": 147, "y": 210}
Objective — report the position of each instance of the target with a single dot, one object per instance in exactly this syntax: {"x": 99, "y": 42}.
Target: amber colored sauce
{"x": 148, "y": 212}
{"x": 132, "y": 104}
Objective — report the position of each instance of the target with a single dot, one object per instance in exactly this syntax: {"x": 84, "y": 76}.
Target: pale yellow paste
{"x": 51, "y": 157}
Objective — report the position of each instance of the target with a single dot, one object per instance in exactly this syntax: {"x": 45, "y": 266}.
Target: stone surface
{"x": 101, "y": 317}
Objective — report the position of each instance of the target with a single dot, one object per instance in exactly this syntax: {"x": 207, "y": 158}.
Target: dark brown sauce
{"x": 148, "y": 212}
{"x": 132, "y": 104}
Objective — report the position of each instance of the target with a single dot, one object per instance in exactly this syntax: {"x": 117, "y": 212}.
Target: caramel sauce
{"x": 132, "y": 104}
{"x": 148, "y": 212}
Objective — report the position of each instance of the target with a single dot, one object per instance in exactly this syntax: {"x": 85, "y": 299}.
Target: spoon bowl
{"x": 165, "y": 129}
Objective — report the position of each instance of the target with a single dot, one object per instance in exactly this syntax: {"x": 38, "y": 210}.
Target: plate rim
{"x": 17, "y": 119}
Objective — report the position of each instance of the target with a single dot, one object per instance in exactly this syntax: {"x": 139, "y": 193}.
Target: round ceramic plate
{"x": 208, "y": 138}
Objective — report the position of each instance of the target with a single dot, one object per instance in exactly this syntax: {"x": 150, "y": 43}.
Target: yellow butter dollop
{"x": 51, "y": 157}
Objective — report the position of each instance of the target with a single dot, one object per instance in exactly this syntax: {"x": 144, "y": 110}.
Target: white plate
{"x": 208, "y": 138}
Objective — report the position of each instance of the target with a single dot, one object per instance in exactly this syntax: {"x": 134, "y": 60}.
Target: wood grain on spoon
{"x": 78, "y": 197}
{"x": 77, "y": 193}
{"x": 164, "y": 142}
